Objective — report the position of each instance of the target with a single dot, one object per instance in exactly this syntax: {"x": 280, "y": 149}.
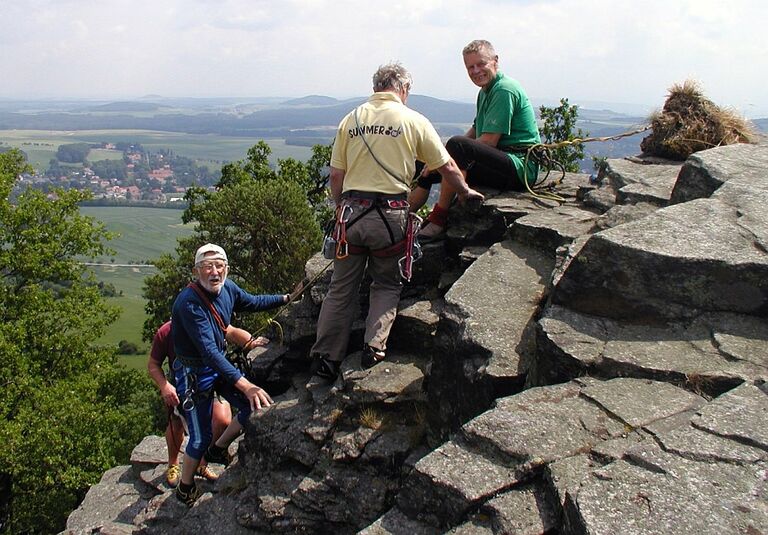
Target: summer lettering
{"x": 375, "y": 130}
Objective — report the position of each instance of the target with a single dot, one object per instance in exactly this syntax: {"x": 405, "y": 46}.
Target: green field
{"x": 41, "y": 145}
{"x": 144, "y": 234}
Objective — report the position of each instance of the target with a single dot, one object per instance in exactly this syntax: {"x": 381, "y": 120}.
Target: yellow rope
{"x": 272, "y": 321}
{"x": 547, "y": 147}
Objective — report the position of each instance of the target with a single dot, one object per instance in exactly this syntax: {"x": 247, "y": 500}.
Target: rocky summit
{"x": 591, "y": 366}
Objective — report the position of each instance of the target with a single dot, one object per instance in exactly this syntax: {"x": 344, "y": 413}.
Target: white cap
{"x": 201, "y": 253}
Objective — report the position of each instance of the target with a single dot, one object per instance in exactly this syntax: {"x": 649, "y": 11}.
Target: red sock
{"x": 438, "y": 216}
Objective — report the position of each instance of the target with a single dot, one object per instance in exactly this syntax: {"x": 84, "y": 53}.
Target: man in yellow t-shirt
{"x": 372, "y": 161}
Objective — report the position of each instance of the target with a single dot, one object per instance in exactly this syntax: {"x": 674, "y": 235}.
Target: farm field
{"x": 210, "y": 149}
{"x": 144, "y": 234}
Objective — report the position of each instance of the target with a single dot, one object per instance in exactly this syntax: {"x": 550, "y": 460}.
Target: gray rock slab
{"x": 395, "y": 522}
{"x": 637, "y": 182}
{"x": 748, "y": 201}
{"x": 541, "y": 425}
{"x": 496, "y": 299}
{"x": 638, "y": 402}
{"x": 710, "y": 355}
{"x": 415, "y": 326}
{"x": 615, "y": 448}
{"x": 708, "y": 263}
{"x": 693, "y": 443}
{"x": 291, "y": 430}
{"x": 163, "y": 513}
{"x": 564, "y": 476}
{"x": 704, "y": 172}
{"x": 659, "y": 492}
{"x": 548, "y": 230}
{"x": 476, "y": 526}
{"x": 567, "y": 345}
{"x": 151, "y": 450}
{"x": 398, "y": 379}
{"x": 602, "y": 198}
{"x": 117, "y": 498}
{"x": 524, "y": 510}
{"x": 624, "y": 213}
{"x": 217, "y": 514}
{"x": 486, "y": 334}
{"x": 445, "y": 484}
{"x": 739, "y": 414}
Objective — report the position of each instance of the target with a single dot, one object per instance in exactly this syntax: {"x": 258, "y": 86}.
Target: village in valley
{"x": 128, "y": 174}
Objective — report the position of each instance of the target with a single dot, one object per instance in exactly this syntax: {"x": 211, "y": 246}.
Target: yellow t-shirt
{"x": 397, "y": 136}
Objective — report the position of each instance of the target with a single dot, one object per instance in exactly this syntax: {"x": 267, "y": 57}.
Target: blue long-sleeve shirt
{"x": 197, "y": 336}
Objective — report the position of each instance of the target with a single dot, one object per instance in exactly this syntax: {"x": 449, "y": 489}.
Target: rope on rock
{"x": 273, "y": 321}
{"x": 543, "y": 153}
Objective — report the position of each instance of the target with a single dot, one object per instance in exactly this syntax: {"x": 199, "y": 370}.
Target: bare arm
{"x": 452, "y": 175}
{"x": 471, "y": 133}
{"x": 167, "y": 391}
{"x": 256, "y": 396}
{"x": 242, "y": 338}
{"x": 337, "y": 184}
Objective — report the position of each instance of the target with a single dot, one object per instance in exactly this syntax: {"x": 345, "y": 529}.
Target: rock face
{"x": 593, "y": 367}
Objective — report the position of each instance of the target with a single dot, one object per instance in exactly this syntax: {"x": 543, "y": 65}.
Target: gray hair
{"x": 479, "y": 46}
{"x": 392, "y": 76}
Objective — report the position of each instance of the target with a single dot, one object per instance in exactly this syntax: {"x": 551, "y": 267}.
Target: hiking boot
{"x": 326, "y": 370}
{"x": 371, "y": 357}
{"x": 431, "y": 232}
{"x": 217, "y": 455}
{"x": 188, "y": 498}
{"x": 172, "y": 475}
{"x": 205, "y": 471}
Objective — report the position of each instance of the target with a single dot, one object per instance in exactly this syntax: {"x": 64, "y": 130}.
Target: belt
{"x": 374, "y": 195}
{"x": 191, "y": 362}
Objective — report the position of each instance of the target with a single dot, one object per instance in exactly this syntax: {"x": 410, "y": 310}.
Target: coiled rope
{"x": 543, "y": 153}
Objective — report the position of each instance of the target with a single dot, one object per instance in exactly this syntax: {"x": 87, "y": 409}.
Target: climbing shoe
{"x": 188, "y": 497}
{"x": 324, "y": 369}
{"x": 205, "y": 471}
{"x": 217, "y": 455}
{"x": 371, "y": 357}
{"x": 172, "y": 475}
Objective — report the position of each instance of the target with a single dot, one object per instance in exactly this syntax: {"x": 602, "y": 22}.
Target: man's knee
{"x": 456, "y": 145}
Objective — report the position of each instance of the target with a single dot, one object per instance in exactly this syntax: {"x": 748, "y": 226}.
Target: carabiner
{"x": 189, "y": 401}
{"x": 345, "y": 214}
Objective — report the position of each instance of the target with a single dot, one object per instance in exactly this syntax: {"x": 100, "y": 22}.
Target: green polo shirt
{"x": 503, "y": 108}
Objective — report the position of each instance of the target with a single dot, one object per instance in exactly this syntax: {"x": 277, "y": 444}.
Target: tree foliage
{"x": 73, "y": 152}
{"x": 559, "y": 124}
{"x": 68, "y": 413}
{"x": 266, "y": 220}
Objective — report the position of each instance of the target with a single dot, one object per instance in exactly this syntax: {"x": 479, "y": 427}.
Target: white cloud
{"x": 616, "y": 51}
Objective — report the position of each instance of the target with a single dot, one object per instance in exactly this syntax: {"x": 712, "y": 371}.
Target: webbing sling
{"x": 215, "y": 313}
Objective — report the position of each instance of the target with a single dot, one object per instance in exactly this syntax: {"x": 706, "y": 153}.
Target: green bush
{"x": 67, "y": 413}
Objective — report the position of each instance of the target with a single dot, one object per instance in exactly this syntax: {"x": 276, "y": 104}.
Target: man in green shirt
{"x": 492, "y": 152}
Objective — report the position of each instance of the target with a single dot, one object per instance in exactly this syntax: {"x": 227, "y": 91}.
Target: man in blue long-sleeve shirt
{"x": 200, "y": 315}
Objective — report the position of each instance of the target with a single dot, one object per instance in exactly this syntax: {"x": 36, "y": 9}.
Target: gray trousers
{"x": 339, "y": 307}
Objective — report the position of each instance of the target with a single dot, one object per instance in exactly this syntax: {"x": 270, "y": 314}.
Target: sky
{"x": 586, "y": 50}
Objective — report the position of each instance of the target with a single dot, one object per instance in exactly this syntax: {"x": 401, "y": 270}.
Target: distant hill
{"x": 301, "y": 121}
{"x": 311, "y": 100}
{"x": 125, "y": 107}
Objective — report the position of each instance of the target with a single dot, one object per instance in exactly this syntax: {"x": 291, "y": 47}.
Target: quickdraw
{"x": 412, "y": 247}
{"x": 342, "y": 246}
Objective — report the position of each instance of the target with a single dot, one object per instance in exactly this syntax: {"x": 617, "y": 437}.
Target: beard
{"x": 213, "y": 283}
